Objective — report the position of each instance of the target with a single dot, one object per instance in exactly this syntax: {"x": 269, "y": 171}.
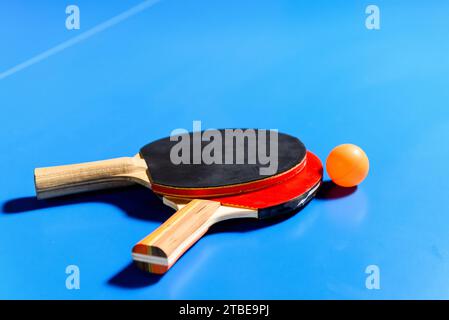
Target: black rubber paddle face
{"x": 163, "y": 171}
{"x": 290, "y": 207}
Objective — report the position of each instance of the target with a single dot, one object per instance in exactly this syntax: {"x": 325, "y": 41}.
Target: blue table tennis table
{"x": 135, "y": 70}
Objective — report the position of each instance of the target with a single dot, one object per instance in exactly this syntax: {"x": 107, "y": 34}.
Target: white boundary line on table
{"x": 81, "y": 37}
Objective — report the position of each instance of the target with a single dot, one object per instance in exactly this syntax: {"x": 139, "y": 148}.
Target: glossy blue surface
{"x": 310, "y": 69}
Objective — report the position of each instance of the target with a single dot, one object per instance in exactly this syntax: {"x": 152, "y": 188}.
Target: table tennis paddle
{"x": 153, "y": 168}
{"x": 157, "y": 252}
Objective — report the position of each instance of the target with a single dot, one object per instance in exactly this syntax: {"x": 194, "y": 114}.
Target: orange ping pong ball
{"x": 347, "y": 165}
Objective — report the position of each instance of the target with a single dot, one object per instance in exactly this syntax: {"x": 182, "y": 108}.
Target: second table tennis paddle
{"x": 157, "y": 252}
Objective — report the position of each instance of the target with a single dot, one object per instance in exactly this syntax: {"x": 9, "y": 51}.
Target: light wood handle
{"x": 68, "y": 179}
{"x": 160, "y": 250}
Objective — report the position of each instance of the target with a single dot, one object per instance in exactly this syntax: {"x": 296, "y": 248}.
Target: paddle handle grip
{"x": 75, "y": 178}
{"x": 157, "y": 252}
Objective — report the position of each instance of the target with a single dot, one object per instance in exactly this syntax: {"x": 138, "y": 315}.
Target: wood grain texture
{"x": 69, "y": 179}
{"x": 150, "y": 256}
{"x": 166, "y": 244}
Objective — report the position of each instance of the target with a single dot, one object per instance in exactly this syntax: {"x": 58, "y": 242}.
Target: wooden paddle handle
{"x": 68, "y": 179}
{"x": 157, "y": 252}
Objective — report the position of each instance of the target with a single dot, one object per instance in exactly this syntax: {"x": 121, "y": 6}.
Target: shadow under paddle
{"x": 136, "y": 201}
